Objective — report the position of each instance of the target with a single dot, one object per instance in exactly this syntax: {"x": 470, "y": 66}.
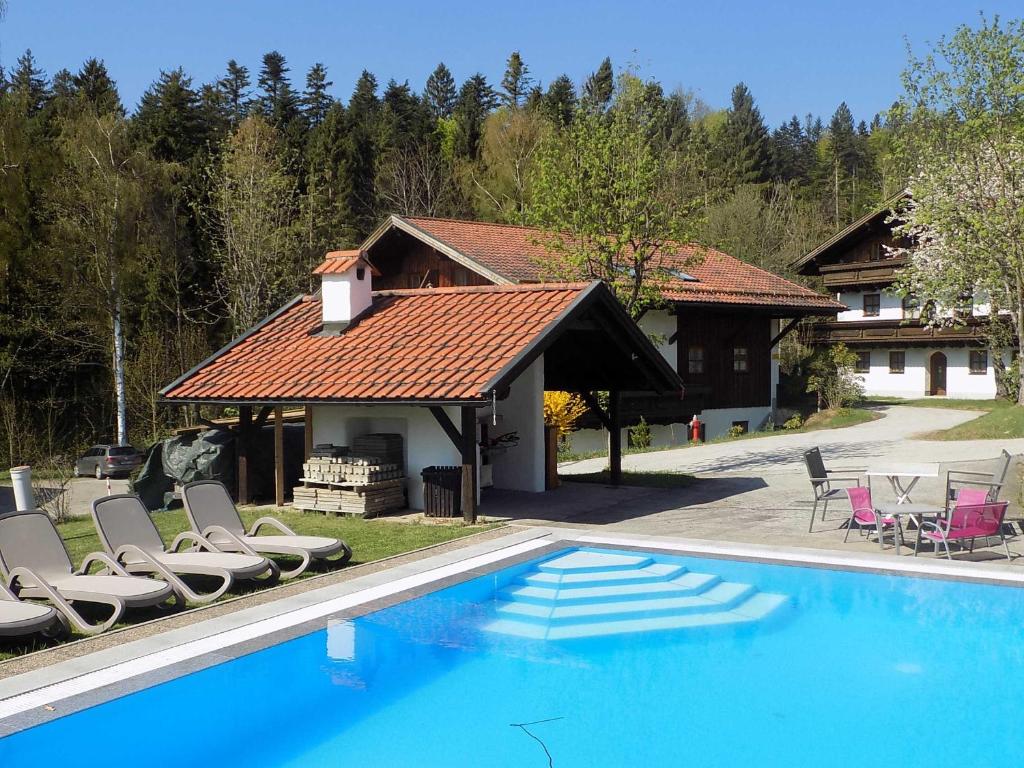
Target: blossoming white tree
{"x": 961, "y": 130}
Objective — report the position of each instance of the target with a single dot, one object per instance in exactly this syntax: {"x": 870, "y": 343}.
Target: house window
{"x": 863, "y": 364}
{"x": 460, "y": 276}
{"x": 875, "y": 251}
{"x": 911, "y": 308}
{"x": 740, "y": 360}
{"x": 897, "y": 362}
{"x": 979, "y": 361}
{"x": 695, "y": 359}
{"x": 872, "y": 302}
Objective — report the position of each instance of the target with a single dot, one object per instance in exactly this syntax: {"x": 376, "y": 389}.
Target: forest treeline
{"x": 133, "y": 243}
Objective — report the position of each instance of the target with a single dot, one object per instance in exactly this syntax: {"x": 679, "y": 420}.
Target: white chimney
{"x": 346, "y": 288}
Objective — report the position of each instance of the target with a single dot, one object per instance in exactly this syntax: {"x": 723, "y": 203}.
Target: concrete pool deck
{"x": 61, "y": 688}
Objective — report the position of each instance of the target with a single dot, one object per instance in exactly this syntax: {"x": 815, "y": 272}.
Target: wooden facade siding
{"x": 408, "y": 263}
{"x": 720, "y": 386}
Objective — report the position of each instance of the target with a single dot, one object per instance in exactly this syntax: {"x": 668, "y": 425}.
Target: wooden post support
{"x": 242, "y": 449}
{"x": 614, "y": 439}
{"x": 469, "y": 479}
{"x": 279, "y": 455}
{"x": 308, "y": 432}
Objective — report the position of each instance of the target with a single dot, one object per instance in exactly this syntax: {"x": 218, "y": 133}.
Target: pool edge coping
{"x": 28, "y": 699}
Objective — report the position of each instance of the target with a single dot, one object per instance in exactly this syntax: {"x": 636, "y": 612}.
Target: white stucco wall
{"x": 659, "y": 323}
{"x": 891, "y": 306}
{"x": 425, "y": 442}
{"x": 960, "y": 382}
{"x": 521, "y": 468}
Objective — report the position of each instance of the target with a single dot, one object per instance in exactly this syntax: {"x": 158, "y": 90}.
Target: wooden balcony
{"x": 857, "y": 273}
{"x": 898, "y": 333}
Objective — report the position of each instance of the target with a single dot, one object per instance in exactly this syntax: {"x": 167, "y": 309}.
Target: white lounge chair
{"x": 20, "y": 619}
{"x": 35, "y": 563}
{"x": 131, "y": 537}
{"x": 212, "y": 514}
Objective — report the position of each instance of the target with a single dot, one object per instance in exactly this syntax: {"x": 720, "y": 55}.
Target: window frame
{"x": 912, "y": 307}
{"x": 877, "y": 302}
{"x": 691, "y": 359}
{"x": 741, "y": 360}
{"x": 902, "y": 361}
{"x": 863, "y": 354}
{"x": 974, "y": 370}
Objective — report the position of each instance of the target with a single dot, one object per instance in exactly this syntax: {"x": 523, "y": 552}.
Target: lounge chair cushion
{"x": 183, "y": 562}
{"x": 315, "y": 545}
{"x": 15, "y": 611}
{"x": 118, "y": 586}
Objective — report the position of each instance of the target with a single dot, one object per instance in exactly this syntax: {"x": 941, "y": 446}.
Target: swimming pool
{"x": 726, "y": 663}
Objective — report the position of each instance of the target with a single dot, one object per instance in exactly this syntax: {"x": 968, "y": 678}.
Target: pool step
{"x": 588, "y": 593}
{"x": 585, "y": 561}
{"x": 687, "y": 584}
{"x": 757, "y": 608}
{"x": 721, "y": 597}
{"x": 652, "y": 573}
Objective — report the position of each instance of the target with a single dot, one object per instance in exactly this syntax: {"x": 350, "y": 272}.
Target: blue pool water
{"x": 782, "y": 666}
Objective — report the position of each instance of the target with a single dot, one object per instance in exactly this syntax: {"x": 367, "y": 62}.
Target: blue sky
{"x": 798, "y": 56}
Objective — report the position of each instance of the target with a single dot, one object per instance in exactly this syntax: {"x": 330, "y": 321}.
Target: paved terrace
{"x": 756, "y": 490}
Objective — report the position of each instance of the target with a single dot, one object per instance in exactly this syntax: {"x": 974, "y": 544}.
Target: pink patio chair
{"x": 866, "y": 515}
{"x": 973, "y": 517}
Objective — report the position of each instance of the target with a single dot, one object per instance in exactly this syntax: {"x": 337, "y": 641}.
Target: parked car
{"x": 107, "y": 461}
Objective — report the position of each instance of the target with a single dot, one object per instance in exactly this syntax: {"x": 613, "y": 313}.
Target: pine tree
{"x": 30, "y": 82}
{"x": 95, "y": 88}
{"x": 279, "y": 102}
{"x": 315, "y": 99}
{"x": 235, "y": 86}
{"x": 440, "y": 94}
{"x": 476, "y": 100}
{"x": 170, "y": 118}
{"x": 559, "y": 101}
{"x": 599, "y": 87}
{"x": 745, "y": 139}
{"x": 790, "y": 159}
{"x": 516, "y": 81}
{"x": 405, "y": 120}
{"x": 363, "y": 118}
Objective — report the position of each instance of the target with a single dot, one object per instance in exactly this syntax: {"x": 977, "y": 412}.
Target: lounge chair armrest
{"x": 200, "y": 542}
{"x": 859, "y": 470}
{"x": 222, "y": 531}
{"x": 17, "y": 575}
{"x": 844, "y": 480}
{"x": 102, "y": 557}
{"x": 273, "y": 522}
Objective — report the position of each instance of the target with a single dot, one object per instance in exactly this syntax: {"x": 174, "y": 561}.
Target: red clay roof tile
{"x": 518, "y": 254}
{"x": 433, "y": 344}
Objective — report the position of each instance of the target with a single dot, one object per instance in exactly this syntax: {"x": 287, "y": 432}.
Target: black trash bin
{"x": 442, "y": 491}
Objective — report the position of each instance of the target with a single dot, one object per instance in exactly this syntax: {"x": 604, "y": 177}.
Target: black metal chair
{"x": 822, "y": 480}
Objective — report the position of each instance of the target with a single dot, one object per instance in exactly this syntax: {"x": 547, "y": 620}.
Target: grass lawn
{"x": 999, "y": 423}
{"x": 370, "y": 540}
{"x": 998, "y": 419}
{"x": 642, "y": 479}
{"x": 939, "y": 402}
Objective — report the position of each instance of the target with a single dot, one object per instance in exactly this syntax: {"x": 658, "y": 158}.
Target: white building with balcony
{"x": 898, "y": 355}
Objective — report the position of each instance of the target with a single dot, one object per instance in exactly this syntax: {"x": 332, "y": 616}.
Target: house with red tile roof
{"x": 719, "y": 327}
{"x": 459, "y": 372}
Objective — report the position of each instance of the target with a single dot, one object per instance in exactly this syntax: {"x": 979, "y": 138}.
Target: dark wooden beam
{"x": 614, "y": 440}
{"x": 279, "y": 455}
{"x": 308, "y": 432}
{"x": 441, "y": 416}
{"x": 784, "y": 332}
{"x": 626, "y": 346}
{"x": 595, "y": 407}
{"x": 469, "y": 464}
{"x": 264, "y": 414}
{"x": 242, "y": 441}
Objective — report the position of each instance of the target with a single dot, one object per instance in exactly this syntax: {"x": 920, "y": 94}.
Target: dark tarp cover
{"x": 209, "y": 455}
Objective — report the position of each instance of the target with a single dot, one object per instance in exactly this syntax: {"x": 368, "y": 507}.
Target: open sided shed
{"x": 435, "y": 365}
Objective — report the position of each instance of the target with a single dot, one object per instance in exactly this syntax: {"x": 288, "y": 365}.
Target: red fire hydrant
{"x": 695, "y": 429}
